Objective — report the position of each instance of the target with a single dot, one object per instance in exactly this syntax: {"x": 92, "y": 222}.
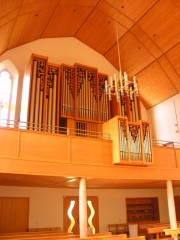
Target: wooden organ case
{"x": 43, "y": 114}
{"x": 66, "y": 97}
{"x": 74, "y": 100}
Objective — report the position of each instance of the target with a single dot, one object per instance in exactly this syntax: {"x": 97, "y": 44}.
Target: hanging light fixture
{"x": 120, "y": 86}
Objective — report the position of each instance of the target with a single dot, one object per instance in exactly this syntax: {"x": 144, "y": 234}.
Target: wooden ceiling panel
{"x": 161, "y": 24}
{"x": 132, "y": 9}
{"x": 146, "y": 41}
{"x": 37, "y": 6}
{"x": 30, "y": 27}
{"x": 9, "y": 17}
{"x": 147, "y": 32}
{"x": 5, "y": 34}
{"x": 20, "y": 180}
{"x": 154, "y": 85}
{"x": 67, "y": 20}
{"x": 134, "y": 56}
{"x": 89, "y": 3}
{"x": 99, "y": 32}
{"x": 116, "y": 15}
{"x": 174, "y": 57}
{"x": 170, "y": 72}
{"x": 8, "y": 6}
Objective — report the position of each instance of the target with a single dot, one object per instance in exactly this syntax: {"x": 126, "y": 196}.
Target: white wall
{"x": 46, "y": 204}
{"x": 165, "y": 119}
{"x": 67, "y": 50}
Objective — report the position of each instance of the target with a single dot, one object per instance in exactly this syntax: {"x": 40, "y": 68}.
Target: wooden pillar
{"x": 171, "y": 205}
{"x": 82, "y": 208}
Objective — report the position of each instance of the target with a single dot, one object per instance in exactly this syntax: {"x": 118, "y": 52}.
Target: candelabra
{"x": 120, "y": 86}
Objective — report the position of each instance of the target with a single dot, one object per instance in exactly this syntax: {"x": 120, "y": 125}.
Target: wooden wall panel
{"x": 112, "y": 127}
{"x": 164, "y": 157}
{"x": 14, "y": 214}
{"x": 9, "y": 143}
{"x": 44, "y": 147}
{"x": 75, "y": 213}
{"x": 90, "y": 151}
{"x": 178, "y": 157}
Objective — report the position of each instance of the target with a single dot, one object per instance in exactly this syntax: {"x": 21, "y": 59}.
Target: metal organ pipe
{"x": 40, "y": 110}
{"x": 54, "y": 103}
{"x": 32, "y": 104}
{"x": 36, "y": 118}
{"x": 50, "y": 109}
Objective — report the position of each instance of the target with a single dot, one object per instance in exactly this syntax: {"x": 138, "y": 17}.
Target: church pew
{"x": 97, "y": 236}
{"x": 173, "y": 232}
{"x": 49, "y": 236}
{"x": 32, "y": 234}
{"x": 106, "y": 237}
{"x": 46, "y": 236}
{"x": 158, "y": 232}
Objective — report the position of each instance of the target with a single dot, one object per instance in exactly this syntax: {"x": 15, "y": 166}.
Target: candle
{"x": 109, "y": 94}
{"x": 111, "y": 83}
{"x": 121, "y": 81}
{"x": 126, "y": 81}
{"x": 106, "y": 88}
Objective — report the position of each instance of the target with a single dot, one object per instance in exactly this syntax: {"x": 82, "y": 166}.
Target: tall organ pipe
{"x": 33, "y": 94}
{"x": 37, "y": 104}
{"x": 54, "y": 103}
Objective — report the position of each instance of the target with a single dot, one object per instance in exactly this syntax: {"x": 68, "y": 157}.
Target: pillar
{"x": 171, "y": 205}
{"x": 82, "y": 208}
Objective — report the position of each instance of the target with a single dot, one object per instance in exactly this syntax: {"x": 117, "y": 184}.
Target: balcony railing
{"x": 54, "y": 129}
{"x": 165, "y": 143}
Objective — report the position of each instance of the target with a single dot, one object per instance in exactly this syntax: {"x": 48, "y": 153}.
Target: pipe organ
{"x": 75, "y": 97}
{"x": 66, "y": 92}
{"x": 131, "y": 141}
{"x": 73, "y": 92}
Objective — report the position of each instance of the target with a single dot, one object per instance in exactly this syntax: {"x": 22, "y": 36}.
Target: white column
{"x": 171, "y": 206}
{"x": 82, "y": 208}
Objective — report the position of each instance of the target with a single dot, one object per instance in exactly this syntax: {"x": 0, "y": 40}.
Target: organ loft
{"x": 79, "y": 98}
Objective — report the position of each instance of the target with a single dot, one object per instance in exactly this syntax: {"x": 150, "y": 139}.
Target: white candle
{"x": 109, "y": 94}
{"x": 111, "y": 82}
{"x": 121, "y": 81}
{"x": 126, "y": 81}
{"x": 134, "y": 80}
{"x": 106, "y": 89}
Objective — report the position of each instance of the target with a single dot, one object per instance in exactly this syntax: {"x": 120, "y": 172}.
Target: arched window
{"x": 6, "y": 87}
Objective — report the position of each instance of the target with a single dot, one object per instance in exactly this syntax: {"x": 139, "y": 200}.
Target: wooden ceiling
{"x": 21, "y": 180}
{"x": 148, "y": 33}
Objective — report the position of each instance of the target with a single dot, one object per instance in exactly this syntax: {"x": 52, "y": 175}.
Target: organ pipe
{"x": 37, "y": 92}
{"x": 51, "y": 97}
{"x": 82, "y": 96}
